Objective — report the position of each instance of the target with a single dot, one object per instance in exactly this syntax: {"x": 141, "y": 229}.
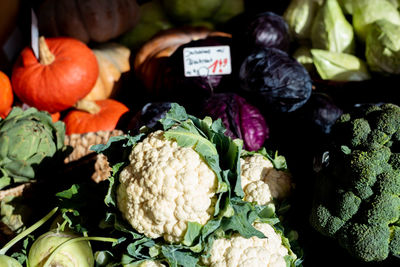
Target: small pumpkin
{"x": 87, "y": 20}
{"x": 6, "y": 95}
{"x": 66, "y": 72}
{"x": 113, "y": 60}
{"x": 151, "y": 60}
{"x": 94, "y": 116}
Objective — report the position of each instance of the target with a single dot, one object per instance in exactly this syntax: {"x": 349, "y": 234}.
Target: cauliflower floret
{"x": 164, "y": 187}
{"x": 261, "y": 182}
{"x": 255, "y": 252}
{"x": 150, "y": 263}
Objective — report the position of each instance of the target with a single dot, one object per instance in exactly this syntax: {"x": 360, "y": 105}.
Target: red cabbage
{"x": 275, "y": 79}
{"x": 241, "y": 119}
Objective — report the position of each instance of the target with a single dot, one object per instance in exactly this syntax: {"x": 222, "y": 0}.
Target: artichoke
{"x": 27, "y": 138}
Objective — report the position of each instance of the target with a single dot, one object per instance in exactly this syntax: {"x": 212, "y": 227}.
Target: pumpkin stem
{"x": 45, "y": 55}
{"x": 87, "y": 105}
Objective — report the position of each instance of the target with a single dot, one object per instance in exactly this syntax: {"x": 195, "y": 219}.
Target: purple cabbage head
{"x": 268, "y": 30}
{"x": 263, "y": 30}
{"x": 241, "y": 119}
{"x": 148, "y": 116}
{"x": 279, "y": 82}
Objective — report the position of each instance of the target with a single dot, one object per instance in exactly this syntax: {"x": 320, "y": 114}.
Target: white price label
{"x": 207, "y": 60}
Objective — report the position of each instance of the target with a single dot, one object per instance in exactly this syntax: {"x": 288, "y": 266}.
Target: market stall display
{"x": 201, "y": 133}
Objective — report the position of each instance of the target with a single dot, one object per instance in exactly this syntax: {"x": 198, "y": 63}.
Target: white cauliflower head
{"x": 261, "y": 182}
{"x": 150, "y": 263}
{"x": 255, "y": 252}
{"x": 164, "y": 187}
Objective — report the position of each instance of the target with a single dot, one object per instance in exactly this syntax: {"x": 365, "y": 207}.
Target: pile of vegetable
{"x": 357, "y": 193}
{"x": 95, "y": 127}
{"x": 178, "y": 193}
{"x": 346, "y": 40}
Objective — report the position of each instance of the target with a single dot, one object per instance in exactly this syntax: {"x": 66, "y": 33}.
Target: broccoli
{"x": 357, "y": 199}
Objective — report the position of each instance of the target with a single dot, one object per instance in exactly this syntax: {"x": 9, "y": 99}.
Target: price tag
{"x": 207, "y": 60}
{"x": 34, "y": 34}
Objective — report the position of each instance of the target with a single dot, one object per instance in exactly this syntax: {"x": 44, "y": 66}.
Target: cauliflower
{"x": 150, "y": 263}
{"x": 239, "y": 251}
{"x": 164, "y": 187}
{"x": 261, "y": 182}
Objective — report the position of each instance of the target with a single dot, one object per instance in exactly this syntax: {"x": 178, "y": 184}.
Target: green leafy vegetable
{"x": 366, "y": 12}
{"x": 339, "y": 66}
{"x": 28, "y": 139}
{"x": 383, "y": 47}
{"x": 331, "y": 31}
{"x": 300, "y": 15}
{"x": 231, "y": 214}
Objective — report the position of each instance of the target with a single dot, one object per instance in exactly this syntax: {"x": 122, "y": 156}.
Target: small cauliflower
{"x": 261, "y": 182}
{"x": 164, "y": 187}
{"x": 255, "y": 252}
{"x": 150, "y": 263}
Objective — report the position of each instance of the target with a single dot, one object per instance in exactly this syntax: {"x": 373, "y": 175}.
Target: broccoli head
{"x": 360, "y": 203}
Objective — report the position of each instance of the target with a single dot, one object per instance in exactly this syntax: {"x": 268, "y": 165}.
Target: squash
{"x": 94, "y": 116}
{"x": 113, "y": 60}
{"x": 6, "y": 95}
{"x": 66, "y": 72}
{"x": 151, "y": 60}
{"x": 87, "y": 20}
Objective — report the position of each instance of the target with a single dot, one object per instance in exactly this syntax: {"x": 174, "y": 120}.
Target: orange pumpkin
{"x": 150, "y": 61}
{"x": 88, "y": 117}
{"x": 66, "y": 72}
{"x": 87, "y": 20}
{"x": 6, "y": 95}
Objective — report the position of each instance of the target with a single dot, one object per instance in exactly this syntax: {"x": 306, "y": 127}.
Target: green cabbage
{"x": 304, "y": 57}
{"x": 299, "y": 16}
{"x": 339, "y": 66}
{"x": 331, "y": 31}
{"x": 383, "y": 47}
{"x": 347, "y": 6}
{"x": 368, "y": 11}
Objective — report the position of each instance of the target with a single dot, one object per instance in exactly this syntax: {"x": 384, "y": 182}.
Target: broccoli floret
{"x": 347, "y": 205}
{"x": 386, "y": 120}
{"x": 389, "y": 182}
{"x": 384, "y": 208}
{"x": 361, "y": 206}
{"x": 324, "y": 222}
{"x": 394, "y": 161}
{"x": 395, "y": 240}
{"x": 360, "y": 132}
{"x": 366, "y": 242}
